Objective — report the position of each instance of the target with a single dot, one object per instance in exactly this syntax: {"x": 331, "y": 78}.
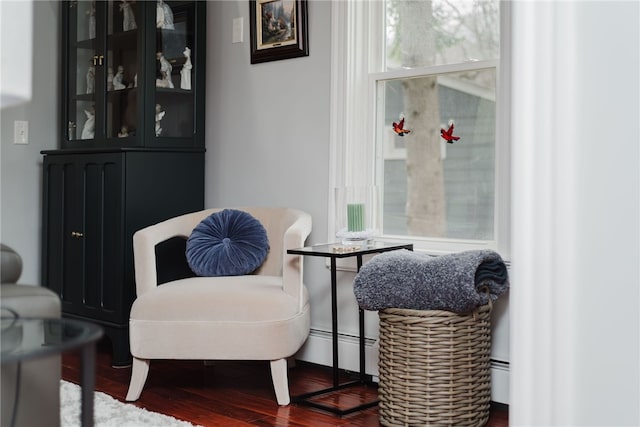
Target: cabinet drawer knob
{"x": 76, "y": 234}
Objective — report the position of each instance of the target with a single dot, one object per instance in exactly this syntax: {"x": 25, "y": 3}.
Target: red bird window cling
{"x": 398, "y": 127}
{"x": 448, "y": 134}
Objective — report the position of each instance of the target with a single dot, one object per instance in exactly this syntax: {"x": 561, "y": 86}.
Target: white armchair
{"x": 262, "y": 316}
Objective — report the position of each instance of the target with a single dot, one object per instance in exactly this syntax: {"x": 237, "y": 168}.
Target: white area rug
{"x": 110, "y": 412}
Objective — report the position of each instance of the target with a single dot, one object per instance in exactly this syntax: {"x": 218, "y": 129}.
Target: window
{"x": 433, "y": 64}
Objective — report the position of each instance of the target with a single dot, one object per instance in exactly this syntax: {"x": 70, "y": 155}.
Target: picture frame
{"x": 278, "y": 30}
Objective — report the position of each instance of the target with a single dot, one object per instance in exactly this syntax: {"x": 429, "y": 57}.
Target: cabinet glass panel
{"x": 83, "y": 60}
{"x": 175, "y": 59}
{"x": 121, "y": 67}
{"x": 129, "y": 69}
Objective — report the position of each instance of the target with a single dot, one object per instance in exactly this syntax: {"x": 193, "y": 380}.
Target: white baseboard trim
{"x": 318, "y": 349}
{"x": 500, "y": 381}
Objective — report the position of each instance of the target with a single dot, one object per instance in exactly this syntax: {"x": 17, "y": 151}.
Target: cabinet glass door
{"x": 133, "y": 73}
{"x": 175, "y": 59}
{"x": 121, "y": 68}
{"x": 83, "y": 61}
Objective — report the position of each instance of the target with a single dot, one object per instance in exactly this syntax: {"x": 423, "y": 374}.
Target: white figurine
{"x": 159, "y": 15}
{"x": 91, "y": 79}
{"x": 128, "y": 18}
{"x": 110, "y": 78}
{"x": 164, "y": 16}
{"x": 159, "y": 116}
{"x": 185, "y": 73}
{"x": 90, "y": 125}
{"x": 124, "y": 132}
{"x": 117, "y": 79}
{"x": 165, "y": 70}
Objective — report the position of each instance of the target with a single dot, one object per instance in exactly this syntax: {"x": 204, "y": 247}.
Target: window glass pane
{"x": 433, "y": 188}
{"x": 425, "y": 33}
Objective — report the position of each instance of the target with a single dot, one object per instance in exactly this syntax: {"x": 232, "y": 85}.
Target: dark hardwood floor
{"x": 230, "y": 393}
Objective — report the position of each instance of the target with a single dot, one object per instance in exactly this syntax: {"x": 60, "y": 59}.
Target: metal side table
{"x": 333, "y": 251}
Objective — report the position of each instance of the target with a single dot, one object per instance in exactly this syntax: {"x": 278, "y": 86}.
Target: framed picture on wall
{"x": 278, "y": 29}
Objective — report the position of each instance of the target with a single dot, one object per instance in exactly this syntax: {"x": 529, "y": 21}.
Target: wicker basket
{"x": 434, "y": 367}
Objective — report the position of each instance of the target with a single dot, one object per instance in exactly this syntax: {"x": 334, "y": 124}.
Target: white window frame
{"x": 356, "y": 64}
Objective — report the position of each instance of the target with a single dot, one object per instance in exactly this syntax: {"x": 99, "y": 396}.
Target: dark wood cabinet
{"x": 93, "y": 204}
{"x": 83, "y": 233}
{"x": 132, "y": 148}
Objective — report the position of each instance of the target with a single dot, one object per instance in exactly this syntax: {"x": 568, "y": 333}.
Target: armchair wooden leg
{"x": 280, "y": 381}
{"x": 139, "y": 372}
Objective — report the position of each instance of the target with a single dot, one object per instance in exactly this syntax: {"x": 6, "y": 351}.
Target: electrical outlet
{"x": 20, "y": 132}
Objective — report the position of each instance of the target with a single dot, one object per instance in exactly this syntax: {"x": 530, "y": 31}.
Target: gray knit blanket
{"x": 456, "y": 282}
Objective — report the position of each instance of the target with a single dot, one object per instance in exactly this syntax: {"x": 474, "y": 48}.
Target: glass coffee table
{"x": 24, "y": 339}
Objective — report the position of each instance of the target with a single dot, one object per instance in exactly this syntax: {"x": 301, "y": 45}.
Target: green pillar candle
{"x": 355, "y": 217}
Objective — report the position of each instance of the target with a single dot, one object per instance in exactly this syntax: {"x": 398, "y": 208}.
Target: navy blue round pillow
{"x": 227, "y": 243}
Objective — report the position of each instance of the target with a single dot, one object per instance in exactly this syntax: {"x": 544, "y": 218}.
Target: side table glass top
{"x": 29, "y": 338}
{"x": 338, "y": 250}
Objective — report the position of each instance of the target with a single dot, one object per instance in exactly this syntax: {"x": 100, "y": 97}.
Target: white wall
{"x": 575, "y": 303}
{"x": 268, "y": 144}
{"x": 21, "y": 165}
{"x": 267, "y": 124}
{"x": 268, "y": 129}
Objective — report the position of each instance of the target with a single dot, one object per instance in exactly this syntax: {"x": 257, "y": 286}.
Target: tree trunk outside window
{"x": 426, "y": 209}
